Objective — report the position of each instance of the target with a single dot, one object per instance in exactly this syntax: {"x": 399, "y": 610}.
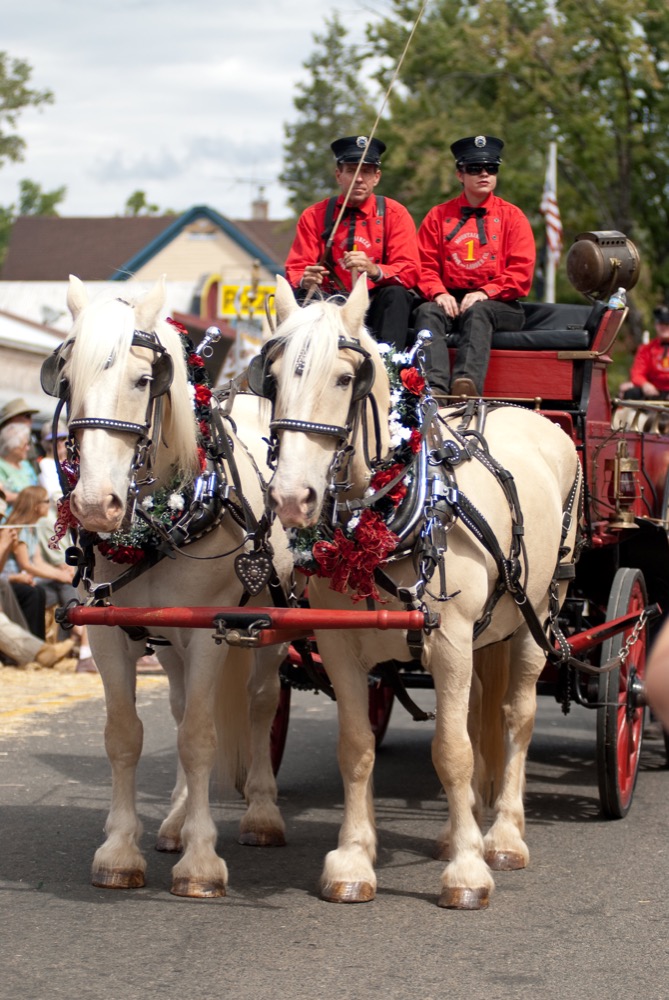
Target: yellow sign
{"x": 243, "y": 300}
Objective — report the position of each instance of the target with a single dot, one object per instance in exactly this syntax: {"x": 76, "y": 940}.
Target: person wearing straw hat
{"x": 374, "y": 237}
{"x": 477, "y": 260}
{"x": 16, "y": 471}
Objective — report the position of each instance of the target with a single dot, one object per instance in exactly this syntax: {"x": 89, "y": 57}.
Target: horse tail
{"x": 233, "y": 727}
{"x": 492, "y": 666}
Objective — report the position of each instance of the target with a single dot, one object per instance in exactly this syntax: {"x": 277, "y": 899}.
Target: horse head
{"x": 319, "y": 368}
{"x": 118, "y": 363}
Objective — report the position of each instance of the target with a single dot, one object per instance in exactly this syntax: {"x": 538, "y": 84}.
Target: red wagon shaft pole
{"x": 600, "y": 633}
{"x": 270, "y": 625}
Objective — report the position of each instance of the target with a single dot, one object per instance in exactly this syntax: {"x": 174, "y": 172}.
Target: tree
{"x": 138, "y": 205}
{"x": 592, "y": 75}
{"x": 333, "y": 103}
{"x": 32, "y": 201}
{"x": 15, "y": 96}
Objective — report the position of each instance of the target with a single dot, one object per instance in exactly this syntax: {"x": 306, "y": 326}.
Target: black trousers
{"x": 636, "y": 392}
{"x": 32, "y": 601}
{"x": 475, "y": 328}
{"x": 388, "y": 314}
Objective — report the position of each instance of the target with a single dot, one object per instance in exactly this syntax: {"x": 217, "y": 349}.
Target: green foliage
{"x": 592, "y": 75}
{"x": 15, "y": 96}
{"x": 32, "y": 201}
{"x": 138, "y": 205}
{"x": 333, "y": 103}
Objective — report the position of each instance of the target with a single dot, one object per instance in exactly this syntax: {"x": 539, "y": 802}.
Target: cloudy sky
{"x": 183, "y": 99}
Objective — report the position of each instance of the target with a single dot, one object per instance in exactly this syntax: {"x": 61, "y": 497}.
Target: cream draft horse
{"x": 109, "y": 379}
{"x": 314, "y": 379}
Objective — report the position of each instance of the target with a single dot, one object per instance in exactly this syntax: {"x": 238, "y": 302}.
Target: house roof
{"x": 49, "y": 248}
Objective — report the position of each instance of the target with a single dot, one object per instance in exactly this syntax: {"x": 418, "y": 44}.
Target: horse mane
{"x": 309, "y": 337}
{"x": 102, "y": 334}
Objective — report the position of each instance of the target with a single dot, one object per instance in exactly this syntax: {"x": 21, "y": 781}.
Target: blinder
{"x": 51, "y": 374}
{"x": 162, "y": 369}
{"x": 262, "y": 383}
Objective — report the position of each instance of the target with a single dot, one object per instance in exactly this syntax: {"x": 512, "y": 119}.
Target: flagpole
{"x": 551, "y": 256}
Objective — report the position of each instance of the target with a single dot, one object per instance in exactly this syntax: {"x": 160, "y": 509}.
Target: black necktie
{"x": 466, "y": 212}
{"x": 352, "y": 214}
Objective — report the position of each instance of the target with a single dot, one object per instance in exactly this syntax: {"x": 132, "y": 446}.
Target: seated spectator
{"x": 32, "y": 555}
{"x": 16, "y": 471}
{"x": 649, "y": 375}
{"x": 31, "y": 599}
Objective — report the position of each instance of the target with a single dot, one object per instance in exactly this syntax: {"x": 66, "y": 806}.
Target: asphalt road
{"x": 587, "y": 919}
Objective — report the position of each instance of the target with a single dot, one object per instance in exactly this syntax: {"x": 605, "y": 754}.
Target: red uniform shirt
{"x": 651, "y": 364}
{"x": 502, "y": 267}
{"x": 389, "y": 241}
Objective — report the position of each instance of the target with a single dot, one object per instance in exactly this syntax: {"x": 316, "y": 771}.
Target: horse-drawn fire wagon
{"x": 558, "y": 565}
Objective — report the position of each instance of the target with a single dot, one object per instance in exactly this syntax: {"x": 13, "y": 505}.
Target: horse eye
{"x": 144, "y": 380}
{"x": 343, "y": 381}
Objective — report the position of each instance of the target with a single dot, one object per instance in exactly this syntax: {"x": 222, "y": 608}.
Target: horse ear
{"x": 284, "y": 299}
{"x": 76, "y": 296}
{"x": 148, "y": 309}
{"x": 356, "y": 306}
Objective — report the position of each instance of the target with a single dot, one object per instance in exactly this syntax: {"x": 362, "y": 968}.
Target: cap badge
{"x": 361, "y": 141}
{"x": 479, "y": 141}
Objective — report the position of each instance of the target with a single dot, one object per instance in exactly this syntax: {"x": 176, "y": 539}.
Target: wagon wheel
{"x": 619, "y": 719}
{"x": 381, "y": 698}
{"x": 279, "y": 730}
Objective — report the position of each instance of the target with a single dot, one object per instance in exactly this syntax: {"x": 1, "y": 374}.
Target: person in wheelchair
{"x": 649, "y": 375}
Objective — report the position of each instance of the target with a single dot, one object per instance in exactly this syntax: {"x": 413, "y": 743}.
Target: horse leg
{"x": 348, "y": 874}
{"x": 169, "y": 835}
{"x": 466, "y": 882}
{"x": 262, "y": 824}
{"x": 119, "y": 863}
{"x": 200, "y": 872}
{"x": 505, "y": 847}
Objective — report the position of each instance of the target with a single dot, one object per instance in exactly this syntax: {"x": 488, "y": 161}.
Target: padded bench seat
{"x": 549, "y": 327}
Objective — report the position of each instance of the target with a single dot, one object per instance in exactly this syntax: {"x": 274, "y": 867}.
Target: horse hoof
{"x": 198, "y": 888}
{"x": 262, "y": 838}
{"x": 170, "y": 845}
{"x": 505, "y": 861}
{"x": 118, "y": 878}
{"x": 348, "y": 892}
{"x": 454, "y": 898}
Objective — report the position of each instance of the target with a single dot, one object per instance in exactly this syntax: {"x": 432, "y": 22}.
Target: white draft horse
{"x": 109, "y": 377}
{"x": 314, "y": 375}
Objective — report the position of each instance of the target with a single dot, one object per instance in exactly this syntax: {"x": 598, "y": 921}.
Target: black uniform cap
{"x": 477, "y": 149}
{"x": 661, "y": 314}
{"x": 350, "y": 150}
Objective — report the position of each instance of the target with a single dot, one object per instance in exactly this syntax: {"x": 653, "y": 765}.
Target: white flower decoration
{"x": 175, "y": 501}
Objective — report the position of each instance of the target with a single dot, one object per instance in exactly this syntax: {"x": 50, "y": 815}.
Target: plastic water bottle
{"x": 618, "y": 300}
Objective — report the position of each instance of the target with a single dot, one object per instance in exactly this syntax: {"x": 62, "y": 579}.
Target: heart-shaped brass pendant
{"x": 254, "y": 570}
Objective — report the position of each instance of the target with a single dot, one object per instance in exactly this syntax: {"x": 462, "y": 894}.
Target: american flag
{"x": 549, "y": 209}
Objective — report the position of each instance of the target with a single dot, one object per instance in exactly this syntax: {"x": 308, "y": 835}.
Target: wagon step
{"x": 248, "y": 626}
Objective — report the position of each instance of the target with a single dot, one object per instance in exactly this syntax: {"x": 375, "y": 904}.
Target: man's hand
{"x": 313, "y": 276}
{"x": 450, "y": 305}
{"x": 357, "y": 260}
{"x": 650, "y": 390}
{"x": 470, "y": 298}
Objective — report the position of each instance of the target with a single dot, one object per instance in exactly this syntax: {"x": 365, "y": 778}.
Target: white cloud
{"x": 185, "y": 101}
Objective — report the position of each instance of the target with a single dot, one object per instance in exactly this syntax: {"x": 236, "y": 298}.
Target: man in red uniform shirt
{"x": 650, "y": 369}
{"x": 375, "y": 238}
{"x": 477, "y": 259}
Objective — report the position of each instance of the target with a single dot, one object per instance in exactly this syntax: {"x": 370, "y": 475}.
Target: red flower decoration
{"x": 178, "y": 326}
{"x": 195, "y": 361}
{"x": 202, "y": 394}
{"x": 350, "y": 563}
{"x": 385, "y": 476}
{"x": 415, "y": 442}
{"x": 202, "y": 455}
{"x": 412, "y": 380}
{"x": 121, "y": 553}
